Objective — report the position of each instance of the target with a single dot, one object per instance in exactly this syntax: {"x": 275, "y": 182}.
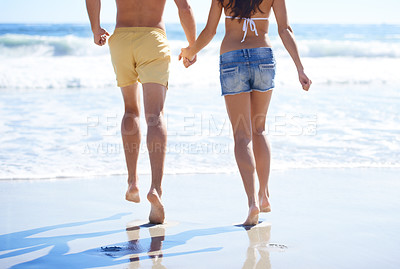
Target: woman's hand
{"x": 304, "y": 81}
{"x": 187, "y": 62}
{"x": 188, "y": 57}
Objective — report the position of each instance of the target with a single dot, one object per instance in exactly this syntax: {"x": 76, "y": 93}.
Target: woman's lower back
{"x": 233, "y": 42}
{"x": 237, "y": 38}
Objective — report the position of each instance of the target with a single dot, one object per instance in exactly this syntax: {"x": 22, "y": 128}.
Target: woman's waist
{"x": 248, "y": 55}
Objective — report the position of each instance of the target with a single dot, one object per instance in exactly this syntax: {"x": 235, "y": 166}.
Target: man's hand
{"x": 100, "y": 36}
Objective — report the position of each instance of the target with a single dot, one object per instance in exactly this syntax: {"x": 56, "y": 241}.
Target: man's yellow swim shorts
{"x": 140, "y": 54}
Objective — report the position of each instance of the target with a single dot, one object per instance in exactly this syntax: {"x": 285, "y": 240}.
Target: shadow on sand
{"x": 25, "y": 247}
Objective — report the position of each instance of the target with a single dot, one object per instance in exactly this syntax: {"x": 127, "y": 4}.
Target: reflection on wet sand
{"x": 259, "y": 237}
{"x": 137, "y": 250}
{"x": 157, "y": 233}
{"x": 149, "y": 248}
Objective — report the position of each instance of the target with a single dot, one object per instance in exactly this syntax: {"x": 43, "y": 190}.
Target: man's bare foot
{"x": 157, "y": 214}
{"x": 252, "y": 219}
{"x": 265, "y": 206}
{"x": 132, "y": 194}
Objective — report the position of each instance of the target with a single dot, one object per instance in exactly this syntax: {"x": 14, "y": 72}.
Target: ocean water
{"x": 60, "y": 108}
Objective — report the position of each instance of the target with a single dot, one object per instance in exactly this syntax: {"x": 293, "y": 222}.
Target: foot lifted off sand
{"x": 132, "y": 194}
{"x": 264, "y": 204}
{"x": 252, "y": 219}
{"x": 157, "y": 214}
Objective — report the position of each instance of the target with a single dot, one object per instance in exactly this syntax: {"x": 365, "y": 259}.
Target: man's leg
{"x": 130, "y": 130}
{"x": 154, "y": 97}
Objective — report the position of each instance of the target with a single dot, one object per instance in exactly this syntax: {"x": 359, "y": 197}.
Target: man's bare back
{"x": 139, "y": 13}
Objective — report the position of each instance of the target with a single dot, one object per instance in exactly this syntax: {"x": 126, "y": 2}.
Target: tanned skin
{"x": 140, "y": 13}
{"x": 248, "y": 111}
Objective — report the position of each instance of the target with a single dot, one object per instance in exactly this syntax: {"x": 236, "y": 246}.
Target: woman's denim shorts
{"x": 247, "y": 70}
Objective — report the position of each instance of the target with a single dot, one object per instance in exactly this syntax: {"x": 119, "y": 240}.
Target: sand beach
{"x": 321, "y": 218}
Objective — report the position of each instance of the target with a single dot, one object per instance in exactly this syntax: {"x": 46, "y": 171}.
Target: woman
{"x": 247, "y": 71}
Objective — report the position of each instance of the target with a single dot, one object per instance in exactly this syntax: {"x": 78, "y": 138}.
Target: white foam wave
{"x": 190, "y": 171}
{"x": 329, "y": 48}
{"x": 13, "y": 45}
{"x": 76, "y": 133}
{"x": 95, "y": 70}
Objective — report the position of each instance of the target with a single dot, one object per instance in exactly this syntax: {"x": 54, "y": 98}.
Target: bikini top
{"x": 248, "y": 22}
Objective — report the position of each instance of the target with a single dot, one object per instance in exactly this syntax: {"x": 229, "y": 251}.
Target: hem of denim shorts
{"x": 223, "y": 94}
{"x": 258, "y": 90}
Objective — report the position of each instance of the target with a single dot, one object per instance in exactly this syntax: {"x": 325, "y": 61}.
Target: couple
{"x": 140, "y": 53}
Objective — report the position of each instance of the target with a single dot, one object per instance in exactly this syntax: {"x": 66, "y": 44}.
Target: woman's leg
{"x": 261, "y": 148}
{"x": 130, "y": 130}
{"x": 239, "y": 111}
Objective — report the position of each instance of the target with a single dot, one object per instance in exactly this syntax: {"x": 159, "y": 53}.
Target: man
{"x": 140, "y": 53}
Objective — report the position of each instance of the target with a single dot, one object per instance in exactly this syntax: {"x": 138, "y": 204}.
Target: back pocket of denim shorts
{"x": 229, "y": 78}
{"x": 267, "y": 73}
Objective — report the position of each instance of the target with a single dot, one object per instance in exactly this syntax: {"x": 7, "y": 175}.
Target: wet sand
{"x": 321, "y": 218}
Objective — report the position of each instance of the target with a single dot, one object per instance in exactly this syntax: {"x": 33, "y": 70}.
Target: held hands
{"x": 187, "y": 56}
{"x": 100, "y": 36}
{"x": 304, "y": 81}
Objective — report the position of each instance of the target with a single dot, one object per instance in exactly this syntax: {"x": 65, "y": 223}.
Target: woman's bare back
{"x": 234, "y": 30}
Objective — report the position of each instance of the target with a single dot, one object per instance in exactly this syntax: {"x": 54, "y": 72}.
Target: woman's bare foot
{"x": 265, "y": 206}
{"x": 132, "y": 194}
{"x": 252, "y": 218}
{"x": 157, "y": 214}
